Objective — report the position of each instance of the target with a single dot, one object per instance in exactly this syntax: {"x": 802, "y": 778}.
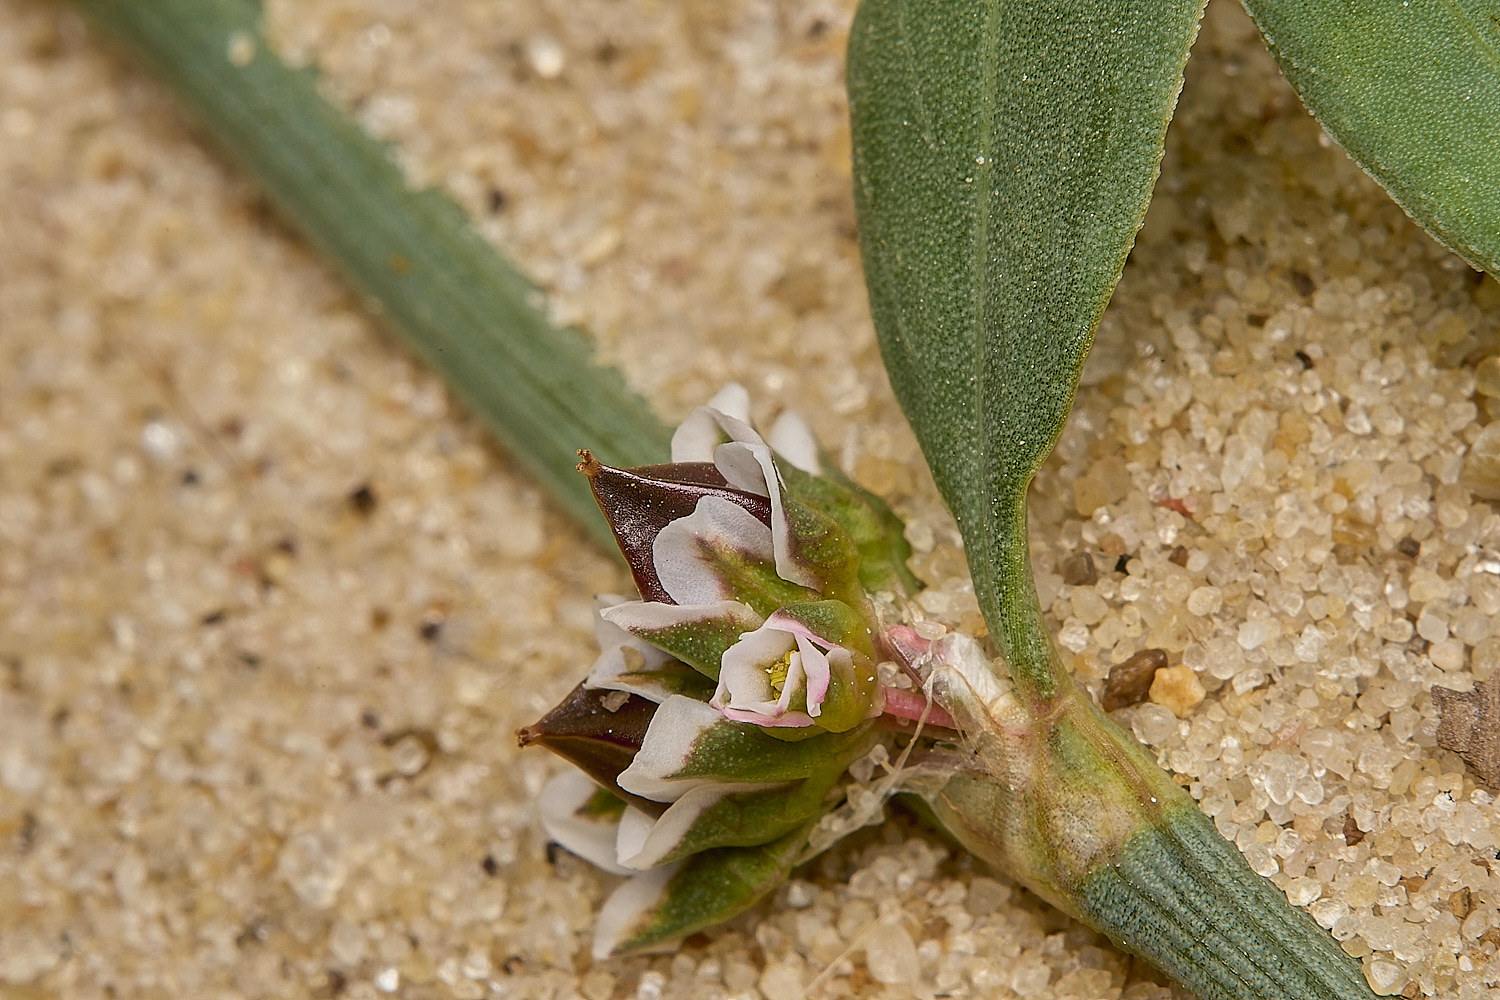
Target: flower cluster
{"x": 716, "y": 727}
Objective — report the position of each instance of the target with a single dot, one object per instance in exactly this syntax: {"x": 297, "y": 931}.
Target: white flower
{"x": 778, "y": 675}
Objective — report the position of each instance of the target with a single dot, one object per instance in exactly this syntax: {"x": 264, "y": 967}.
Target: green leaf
{"x": 873, "y": 527}
{"x": 738, "y": 751}
{"x": 1183, "y": 898}
{"x": 745, "y": 819}
{"x": 688, "y": 741}
{"x": 697, "y": 635}
{"x": 710, "y": 888}
{"x": 1412, "y": 92}
{"x": 412, "y": 255}
{"x": 1004, "y": 155}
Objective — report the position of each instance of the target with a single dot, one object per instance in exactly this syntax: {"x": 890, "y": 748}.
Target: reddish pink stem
{"x": 910, "y": 705}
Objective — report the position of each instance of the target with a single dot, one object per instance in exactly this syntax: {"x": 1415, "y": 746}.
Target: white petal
{"x": 744, "y": 466}
{"x": 697, "y": 435}
{"x": 614, "y": 640}
{"x": 747, "y": 464}
{"x": 793, "y": 440}
{"x": 815, "y": 674}
{"x": 633, "y": 831}
{"x": 592, "y": 840}
{"x": 627, "y": 906}
{"x": 750, "y": 467}
{"x": 654, "y": 615}
{"x": 743, "y": 683}
{"x": 642, "y": 845}
{"x": 678, "y": 554}
{"x": 675, "y": 727}
{"x": 733, "y": 401}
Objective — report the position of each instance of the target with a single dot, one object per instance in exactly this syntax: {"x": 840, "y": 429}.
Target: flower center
{"x": 777, "y": 670}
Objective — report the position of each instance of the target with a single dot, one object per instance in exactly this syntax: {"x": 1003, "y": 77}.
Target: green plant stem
{"x": 412, "y": 255}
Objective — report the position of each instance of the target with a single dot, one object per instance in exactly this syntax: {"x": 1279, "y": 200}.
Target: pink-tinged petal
{"x": 675, "y": 729}
{"x": 679, "y": 550}
{"x": 793, "y": 440}
{"x": 782, "y": 622}
{"x": 911, "y": 704}
{"x": 817, "y": 671}
{"x": 559, "y": 807}
{"x": 743, "y": 684}
{"x": 696, "y": 436}
{"x": 788, "y": 720}
{"x": 627, "y": 907}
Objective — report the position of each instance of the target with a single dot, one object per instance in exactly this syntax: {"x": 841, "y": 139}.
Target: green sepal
{"x": 745, "y": 819}
{"x": 821, "y": 544}
{"x": 603, "y": 806}
{"x": 701, "y": 643}
{"x": 668, "y": 679}
{"x": 877, "y": 533}
{"x": 749, "y": 580}
{"x": 740, "y": 752}
{"x": 713, "y": 886}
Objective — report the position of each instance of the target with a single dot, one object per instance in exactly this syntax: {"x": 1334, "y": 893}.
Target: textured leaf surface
{"x": 747, "y": 819}
{"x": 1412, "y": 92}
{"x": 711, "y": 887}
{"x": 740, "y": 752}
{"x": 1004, "y": 155}
{"x": 1183, "y": 897}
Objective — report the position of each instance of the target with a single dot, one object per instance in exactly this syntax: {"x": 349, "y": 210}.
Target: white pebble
{"x": 1154, "y": 724}
{"x": 890, "y": 954}
{"x": 1030, "y": 979}
{"x": 313, "y": 866}
{"x": 782, "y": 981}
{"x": 1254, "y": 634}
{"x": 1205, "y": 601}
{"x": 546, "y": 56}
{"x": 1383, "y": 977}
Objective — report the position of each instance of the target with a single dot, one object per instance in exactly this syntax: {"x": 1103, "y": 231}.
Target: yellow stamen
{"x": 776, "y": 672}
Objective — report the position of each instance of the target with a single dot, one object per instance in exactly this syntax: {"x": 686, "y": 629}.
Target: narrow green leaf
{"x": 411, "y": 253}
{"x": 1004, "y": 155}
{"x": 1183, "y": 898}
{"x": 1412, "y": 92}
